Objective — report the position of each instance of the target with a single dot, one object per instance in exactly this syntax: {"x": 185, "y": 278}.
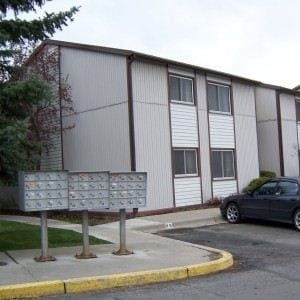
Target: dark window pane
{"x": 190, "y": 160}
{"x": 298, "y": 110}
{"x": 288, "y": 188}
{"x": 228, "y": 164}
{"x": 212, "y": 97}
{"x": 267, "y": 188}
{"x": 186, "y": 89}
{"x": 174, "y": 88}
{"x": 224, "y": 104}
{"x": 217, "y": 164}
{"x": 179, "y": 161}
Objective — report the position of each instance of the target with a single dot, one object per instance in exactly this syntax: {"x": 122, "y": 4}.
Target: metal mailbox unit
{"x": 43, "y": 191}
{"x": 127, "y": 191}
{"x": 88, "y": 191}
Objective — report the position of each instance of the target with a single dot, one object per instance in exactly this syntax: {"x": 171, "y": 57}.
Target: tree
{"x": 27, "y": 95}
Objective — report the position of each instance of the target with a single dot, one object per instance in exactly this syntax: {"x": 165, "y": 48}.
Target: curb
{"x": 85, "y": 284}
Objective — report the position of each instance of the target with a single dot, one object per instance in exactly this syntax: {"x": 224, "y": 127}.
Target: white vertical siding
{"x": 245, "y": 133}
{"x": 184, "y": 126}
{"x": 100, "y": 139}
{"x": 298, "y": 131}
{"x": 289, "y": 135}
{"x": 203, "y": 137}
{"x": 187, "y": 191}
{"x": 221, "y": 131}
{"x": 98, "y": 142}
{"x": 152, "y": 132}
{"x": 224, "y": 188}
{"x": 267, "y": 129}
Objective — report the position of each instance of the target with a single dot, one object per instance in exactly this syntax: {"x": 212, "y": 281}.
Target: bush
{"x": 268, "y": 174}
{"x": 254, "y": 183}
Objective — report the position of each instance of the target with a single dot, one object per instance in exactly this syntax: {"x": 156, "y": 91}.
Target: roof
{"x": 160, "y": 60}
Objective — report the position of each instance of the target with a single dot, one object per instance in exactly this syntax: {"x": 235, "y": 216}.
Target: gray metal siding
{"x": 267, "y": 129}
{"x": 245, "y": 133}
{"x": 203, "y": 137}
{"x": 289, "y": 135}
{"x": 152, "y": 132}
{"x": 100, "y": 139}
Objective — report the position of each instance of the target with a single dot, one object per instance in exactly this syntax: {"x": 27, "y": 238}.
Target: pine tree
{"x": 22, "y": 93}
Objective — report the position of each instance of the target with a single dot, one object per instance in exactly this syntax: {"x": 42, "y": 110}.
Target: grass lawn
{"x": 17, "y": 236}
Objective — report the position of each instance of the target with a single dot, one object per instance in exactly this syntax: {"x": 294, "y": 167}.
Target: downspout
{"x": 129, "y": 60}
{"x": 279, "y": 126}
{"x": 60, "y": 108}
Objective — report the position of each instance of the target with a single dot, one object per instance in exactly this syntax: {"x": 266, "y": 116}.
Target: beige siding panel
{"x": 224, "y": 188}
{"x": 184, "y": 125}
{"x": 290, "y": 148}
{"x": 98, "y": 142}
{"x": 203, "y": 137}
{"x": 244, "y": 99}
{"x": 187, "y": 191}
{"x": 268, "y": 146}
{"x": 201, "y": 92}
{"x": 287, "y": 107}
{"x": 97, "y": 79}
{"x": 246, "y": 149}
{"x": 221, "y": 131}
{"x": 153, "y": 152}
{"x": 181, "y": 71}
{"x": 265, "y": 104}
{"x": 149, "y": 83}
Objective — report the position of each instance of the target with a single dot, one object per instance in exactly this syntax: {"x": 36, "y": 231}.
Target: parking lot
{"x": 267, "y": 264}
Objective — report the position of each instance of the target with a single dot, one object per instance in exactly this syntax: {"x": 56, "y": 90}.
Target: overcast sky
{"x": 258, "y": 39}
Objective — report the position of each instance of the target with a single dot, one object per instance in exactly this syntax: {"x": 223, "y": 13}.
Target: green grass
{"x": 17, "y": 236}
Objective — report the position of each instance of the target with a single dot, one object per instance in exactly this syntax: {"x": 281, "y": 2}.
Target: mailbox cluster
{"x": 78, "y": 191}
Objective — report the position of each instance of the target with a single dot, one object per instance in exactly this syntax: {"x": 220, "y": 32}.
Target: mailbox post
{"x": 43, "y": 191}
{"x": 127, "y": 191}
{"x": 87, "y": 191}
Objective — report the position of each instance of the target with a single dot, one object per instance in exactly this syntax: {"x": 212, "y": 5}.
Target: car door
{"x": 257, "y": 204}
{"x": 285, "y": 200}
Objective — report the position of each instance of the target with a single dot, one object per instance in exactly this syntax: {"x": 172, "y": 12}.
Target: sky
{"x": 257, "y": 39}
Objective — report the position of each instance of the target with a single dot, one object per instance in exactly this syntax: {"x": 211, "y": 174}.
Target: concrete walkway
{"x": 152, "y": 253}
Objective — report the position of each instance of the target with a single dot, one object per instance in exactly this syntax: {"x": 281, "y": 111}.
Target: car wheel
{"x": 233, "y": 213}
{"x": 297, "y": 219}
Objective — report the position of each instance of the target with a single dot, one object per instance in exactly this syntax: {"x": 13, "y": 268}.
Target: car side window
{"x": 287, "y": 188}
{"x": 268, "y": 188}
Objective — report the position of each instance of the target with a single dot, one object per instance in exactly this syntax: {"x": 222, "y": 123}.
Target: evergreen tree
{"x": 21, "y": 94}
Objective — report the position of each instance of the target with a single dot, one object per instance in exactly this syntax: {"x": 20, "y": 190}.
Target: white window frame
{"x": 233, "y": 165}
{"x": 181, "y": 101}
{"x": 185, "y": 174}
{"x": 229, "y": 99}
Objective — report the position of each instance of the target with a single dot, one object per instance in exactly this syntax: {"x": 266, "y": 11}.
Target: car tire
{"x": 233, "y": 215}
{"x": 297, "y": 219}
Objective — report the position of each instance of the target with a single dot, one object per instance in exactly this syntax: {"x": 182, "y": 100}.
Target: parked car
{"x": 277, "y": 199}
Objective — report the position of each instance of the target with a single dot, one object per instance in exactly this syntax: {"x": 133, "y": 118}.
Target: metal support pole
{"x": 85, "y": 238}
{"x": 123, "y": 250}
{"x": 44, "y": 240}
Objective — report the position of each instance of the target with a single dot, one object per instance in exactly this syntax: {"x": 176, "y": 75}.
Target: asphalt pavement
{"x": 155, "y": 258}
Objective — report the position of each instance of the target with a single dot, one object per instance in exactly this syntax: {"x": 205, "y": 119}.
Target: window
{"x": 185, "y": 162}
{"x": 268, "y": 188}
{"x": 181, "y": 89}
{"x": 298, "y": 110}
{"x": 287, "y": 188}
{"x": 218, "y": 98}
{"x": 222, "y": 164}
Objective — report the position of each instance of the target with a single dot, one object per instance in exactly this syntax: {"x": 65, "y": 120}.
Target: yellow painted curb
{"x": 125, "y": 279}
{"x": 34, "y": 289}
{"x": 224, "y": 262}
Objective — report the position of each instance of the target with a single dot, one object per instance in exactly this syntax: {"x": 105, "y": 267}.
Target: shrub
{"x": 254, "y": 183}
{"x": 268, "y": 174}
